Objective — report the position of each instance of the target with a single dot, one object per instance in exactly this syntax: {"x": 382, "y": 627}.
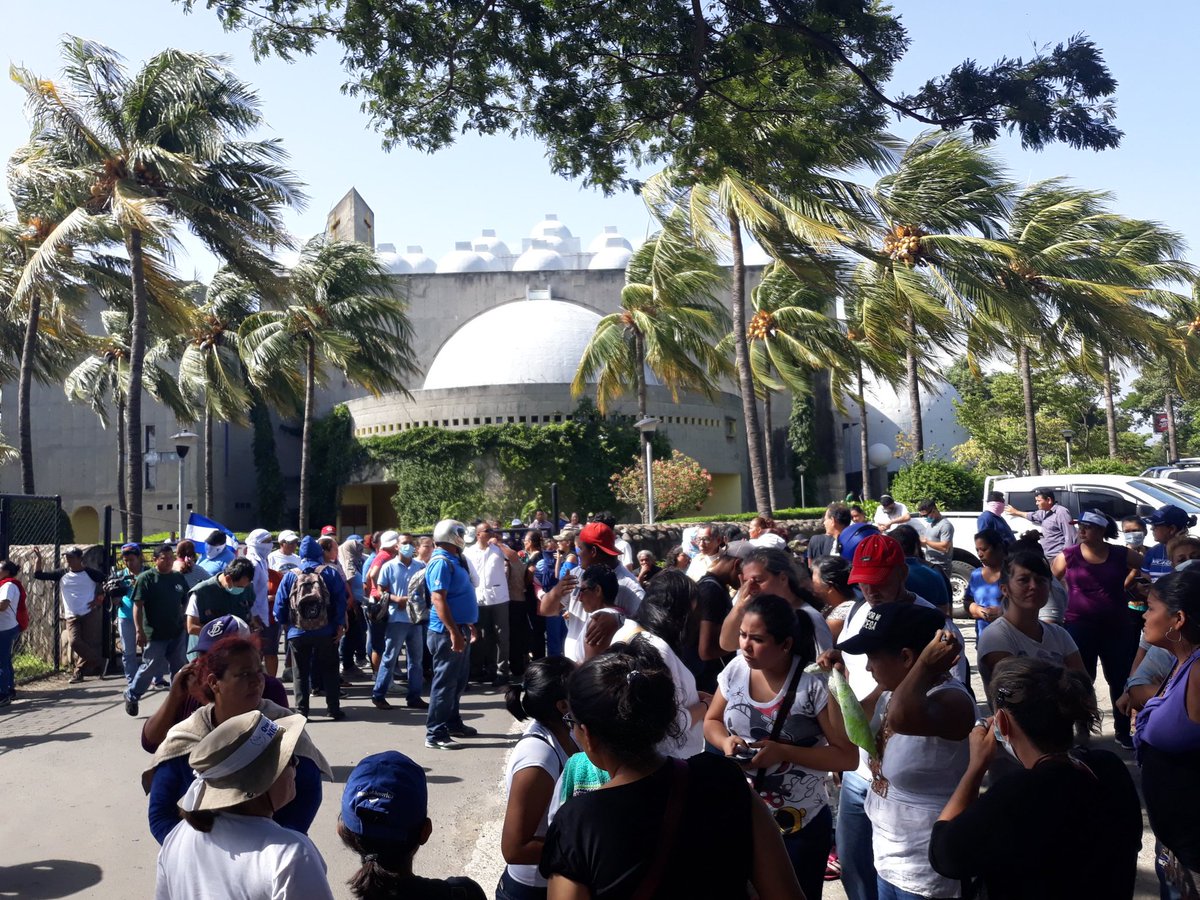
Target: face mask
{"x": 1004, "y": 742}
{"x": 406, "y": 550}
{"x": 996, "y": 507}
{"x": 264, "y": 549}
{"x": 235, "y": 590}
{"x": 1134, "y": 539}
{"x": 212, "y": 551}
{"x": 928, "y": 520}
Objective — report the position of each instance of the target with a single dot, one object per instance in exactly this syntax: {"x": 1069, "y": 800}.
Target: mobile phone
{"x": 744, "y": 754}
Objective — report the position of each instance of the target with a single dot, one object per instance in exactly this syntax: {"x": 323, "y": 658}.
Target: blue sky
{"x": 505, "y": 184}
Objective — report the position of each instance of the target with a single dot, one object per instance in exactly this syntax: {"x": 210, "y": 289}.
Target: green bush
{"x": 1102, "y": 465}
{"x": 951, "y": 486}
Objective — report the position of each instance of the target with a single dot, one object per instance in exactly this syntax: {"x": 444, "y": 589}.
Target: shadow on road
{"x": 47, "y": 879}
{"x": 18, "y": 741}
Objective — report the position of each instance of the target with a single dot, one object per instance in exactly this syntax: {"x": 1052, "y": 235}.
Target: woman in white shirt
{"x": 777, "y": 721}
{"x": 227, "y": 844}
{"x": 10, "y": 599}
{"x": 1025, "y": 583}
{"x": 534, "y": 766}
{"x": 922, "y": 717}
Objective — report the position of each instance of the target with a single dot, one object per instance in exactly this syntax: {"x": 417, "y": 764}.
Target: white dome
{"x": 462, "y": 259}
{"x": 608, "y": 238}
{"x": 550, "y": 227}
{"x": 489, "y": 243}
{"x": 611, "y": 258}
{"x": 393, "y": 263}
{"x": 420, "y": 263}
{"x": 539, "y": 259}
{"x": 494, "y": 263}
{"x": 457, "y": 364}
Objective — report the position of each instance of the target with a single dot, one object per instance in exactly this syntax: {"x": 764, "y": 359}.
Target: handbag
{"x": 417, "y": 605}
{"x": 377, "y": 609}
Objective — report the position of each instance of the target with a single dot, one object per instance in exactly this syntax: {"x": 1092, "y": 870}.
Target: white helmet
{"x": 450, "y": 531}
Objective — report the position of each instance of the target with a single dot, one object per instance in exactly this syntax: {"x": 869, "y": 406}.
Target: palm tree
{"x": 669, "y": 322}
{"x": 341, "y": 312}
{"x": 102, "y": 378}
{"x": 163, "y": 147}
{"x": 939, "y": 213}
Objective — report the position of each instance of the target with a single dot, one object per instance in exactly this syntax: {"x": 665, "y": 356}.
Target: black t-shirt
{"x": 608, "y": 839}
{"x": 1049, "y": 832}
{"x": 712, "y": 605}
{"x": 418, "y": 888}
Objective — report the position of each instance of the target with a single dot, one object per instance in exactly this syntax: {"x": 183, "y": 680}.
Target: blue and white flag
{"x": 200, "y": 527}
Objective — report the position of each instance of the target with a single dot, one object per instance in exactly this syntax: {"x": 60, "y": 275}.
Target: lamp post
{"x": 800, "y": 475}
{"x": 647, "y": 427}
{"x": 1067, "y": 434}
{"x": 183, "y": 443}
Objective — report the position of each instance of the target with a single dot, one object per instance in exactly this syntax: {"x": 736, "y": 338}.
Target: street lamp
{"x": 183, "y": 443}
{"x": 800, "y": 474}
{"x": 1067, "y": 434}
{"x": 647, "y": 427}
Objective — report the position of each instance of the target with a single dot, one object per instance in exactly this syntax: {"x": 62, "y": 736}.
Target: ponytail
{"x": 545, "y": 685}
{"x": 1049, "y": 702}
{"x": 386, "y": 865}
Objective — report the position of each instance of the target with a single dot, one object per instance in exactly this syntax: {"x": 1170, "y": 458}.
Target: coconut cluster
{"x": 903, "y": 243}
{"x": 761, "y": 325}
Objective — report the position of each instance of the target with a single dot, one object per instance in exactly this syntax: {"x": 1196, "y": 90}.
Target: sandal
{"x": 833, "y": 867}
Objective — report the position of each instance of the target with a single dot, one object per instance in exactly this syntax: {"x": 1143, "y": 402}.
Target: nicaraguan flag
{"x": 200, "y": 527}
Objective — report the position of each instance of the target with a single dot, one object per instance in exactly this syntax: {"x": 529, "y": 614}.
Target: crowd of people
{"x": 751, "y": 717}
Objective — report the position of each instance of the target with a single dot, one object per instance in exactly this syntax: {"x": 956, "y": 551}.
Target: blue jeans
{"x": 7, "y": 679}
{"x": 556, "y": 635}
{"x": 808, "y": 849}
{"x": 158, "y": 658}
{"x": 508, "y": 888}
{"x": 891, "y": 892}
{"x": 450, "y": 673}
{"x": 129, "y": 655}
{"x": 854, "y": 840}
{"x": 412, "y": 637}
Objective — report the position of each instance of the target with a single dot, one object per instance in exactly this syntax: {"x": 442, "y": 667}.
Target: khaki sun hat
{"x": 240, "y": 759}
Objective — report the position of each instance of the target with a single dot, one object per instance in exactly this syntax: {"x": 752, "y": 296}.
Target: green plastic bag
{"x": 858, "y": 724}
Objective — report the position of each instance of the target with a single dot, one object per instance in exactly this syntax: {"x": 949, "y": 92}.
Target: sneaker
{"x": 463, "y": 731}
{"x": 1125, "y": 741}
{"x": 445, "y": 743}
{"x": 161, "y": 683}
{"x": 351, "y": 672}
{"x": 337, "y": 714}
{"x": 6, "y": 700}
{"x": 131, "y": 706}
{"x": 417, "y": 703}
{"x": 381, "y": 703}
{"x": 75, "y": 679}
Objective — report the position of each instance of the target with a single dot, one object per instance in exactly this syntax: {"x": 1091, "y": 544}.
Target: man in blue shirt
{"x": 316, "y": 646}
{"x": 400, "y": 629}
{"x": 992, "y": 519}
{"x": 217, "y": 553}
{"x": 452, "y": 617}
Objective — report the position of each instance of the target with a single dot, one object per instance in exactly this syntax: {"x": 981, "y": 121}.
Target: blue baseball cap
{"x": 1170, "y": 515}
{"x": 219, "y": 628}
{"x": 137, "y": 548}
{"x": 385, "y": 797}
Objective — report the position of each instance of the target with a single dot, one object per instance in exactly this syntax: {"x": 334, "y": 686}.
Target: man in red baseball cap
{"x": 329, "y": 531}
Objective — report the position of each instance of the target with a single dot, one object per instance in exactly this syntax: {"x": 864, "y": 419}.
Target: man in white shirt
{"x": 625, "y": 549}
{"x": 487, "y": 558}
{"x": 889, "y": 513}
{"x": 710, "y": 541}
{"x": 82, "y": 596}
{"x": 285, "y": 557}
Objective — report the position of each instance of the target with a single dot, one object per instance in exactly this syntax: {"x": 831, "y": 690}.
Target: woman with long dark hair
{"x": 534, "y": 767}
{"x": 767, "y": 571}
{"x": 668, "y": 827}
{"x": 776, "y": 719}
{"x": 831, "y": 585}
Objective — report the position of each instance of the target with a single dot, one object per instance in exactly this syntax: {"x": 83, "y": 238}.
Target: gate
{"x": 30, "y": 523}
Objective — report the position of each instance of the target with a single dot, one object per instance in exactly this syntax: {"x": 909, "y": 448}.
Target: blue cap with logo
{"x": 385, "y": 797}
{"x": 1170, "y": 515}
{"x": 218, "y": 629}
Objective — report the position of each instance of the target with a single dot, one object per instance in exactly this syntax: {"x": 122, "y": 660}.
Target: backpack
{"x": 308, "y": 600}
{"x": 418, "y": 604}
{"x": 22, "y": 608}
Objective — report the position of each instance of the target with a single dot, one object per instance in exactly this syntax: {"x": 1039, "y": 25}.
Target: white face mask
{"x": 1134, "y": 539}
{"x": 1004, "y": 742}
{"x": 264, "y": 549}
{"x": 212, "y": 551}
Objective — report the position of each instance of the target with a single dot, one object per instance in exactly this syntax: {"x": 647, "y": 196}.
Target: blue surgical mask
{"x": 929, "y": 519}
{"x": 1134, "y": 538}
{"x": 406, "y": 550}
{"x": 235, "y": 590}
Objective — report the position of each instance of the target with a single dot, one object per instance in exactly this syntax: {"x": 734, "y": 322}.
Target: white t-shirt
{"x": 769, "y": 539}
{"x": 279, "y": 561}
{"x": 794, "y": 794}
{"x": 491, "y": 578}
{"x": 1003, "y": 637}
{"x": 546, "y": 753}
{"x": 577, "y": 620}
{"x": 883, "y": 518}
{"x": 822, "y": 636}
{"x": 242, "y": 858}
{"x": 8, "y": 618}
{"x": 78, "y": 592}
{"x": 691, "y": 739}
{"x": 626, "y": 551}
{"x": 699, "y": 566}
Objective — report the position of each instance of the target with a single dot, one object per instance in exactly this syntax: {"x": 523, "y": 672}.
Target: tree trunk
{"x": 310, "y": 379}
{"x": 1110, "y": 412}
{"x": 1172, "y": 447}
{"x": 768, "y": 454}
{"x": 133, "y": 393}
{"x": 639, "y": 350}
{"x": 25, "y": 382}
{"x": 122, "y": 493}
{"x": 914, "y": 388}
{"x": 864, "y": 442}
{"x": 208, "y": 461}
{"x": 1026, "y": 371}
{"x": 741, "y": 356}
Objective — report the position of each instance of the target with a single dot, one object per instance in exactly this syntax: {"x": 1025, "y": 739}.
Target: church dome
{"x": 489, "y": 243}
{"x": 420, "y": 263}
{"x": 462, "y": 259}
{"x": 610, "y": 237}
{"x": 551, "y": 229}
{"x": 393, "y": 263}
{"x": 539, "y": 259}
{"x": 614, "y": 256}
{"x": 509, "y": 326}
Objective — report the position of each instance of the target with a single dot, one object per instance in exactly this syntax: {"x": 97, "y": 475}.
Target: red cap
{"x": 600, "y": 535}
{"x": 875, "y": 558}
{"x": 328, "y": 531}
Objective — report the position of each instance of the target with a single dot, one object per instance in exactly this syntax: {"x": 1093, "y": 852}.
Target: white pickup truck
{"x": 1116, "y": 495}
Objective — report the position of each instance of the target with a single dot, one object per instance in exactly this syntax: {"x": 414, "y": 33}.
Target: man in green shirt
{"x": 158, "y": 597}
{"x": 229, "y": 594}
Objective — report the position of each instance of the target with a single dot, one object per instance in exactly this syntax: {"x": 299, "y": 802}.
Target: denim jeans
{"x": 450, "y": 673}
{"x": 808, "y": 849}
{"x": 158, "y": 658}
{"x": 313, "y": 653}
{"x": 556, "y": 635}
{"x": 129, "y": 654}
{"x": 891, "y": 892}
{"x": 412, "y": 638}
{"x": 508, "y": 888}
{"x": 854, "y": 840}
{"x": 1114, "y": 644}
{"x": 354, "y": 641}
{"x": 7, "y": 679}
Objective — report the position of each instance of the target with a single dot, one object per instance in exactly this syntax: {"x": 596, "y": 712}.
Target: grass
{"x": 26, "y": 666}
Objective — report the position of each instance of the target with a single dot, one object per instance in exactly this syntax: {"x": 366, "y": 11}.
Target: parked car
{"x": 1116, "y": 495}
{"x": 1185, "y": 471}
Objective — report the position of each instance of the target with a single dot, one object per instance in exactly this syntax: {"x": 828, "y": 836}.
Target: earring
{"x": 1174, "y": 640}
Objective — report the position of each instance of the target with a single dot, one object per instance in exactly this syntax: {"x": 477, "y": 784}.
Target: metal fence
{"x": 30, "y": 525}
